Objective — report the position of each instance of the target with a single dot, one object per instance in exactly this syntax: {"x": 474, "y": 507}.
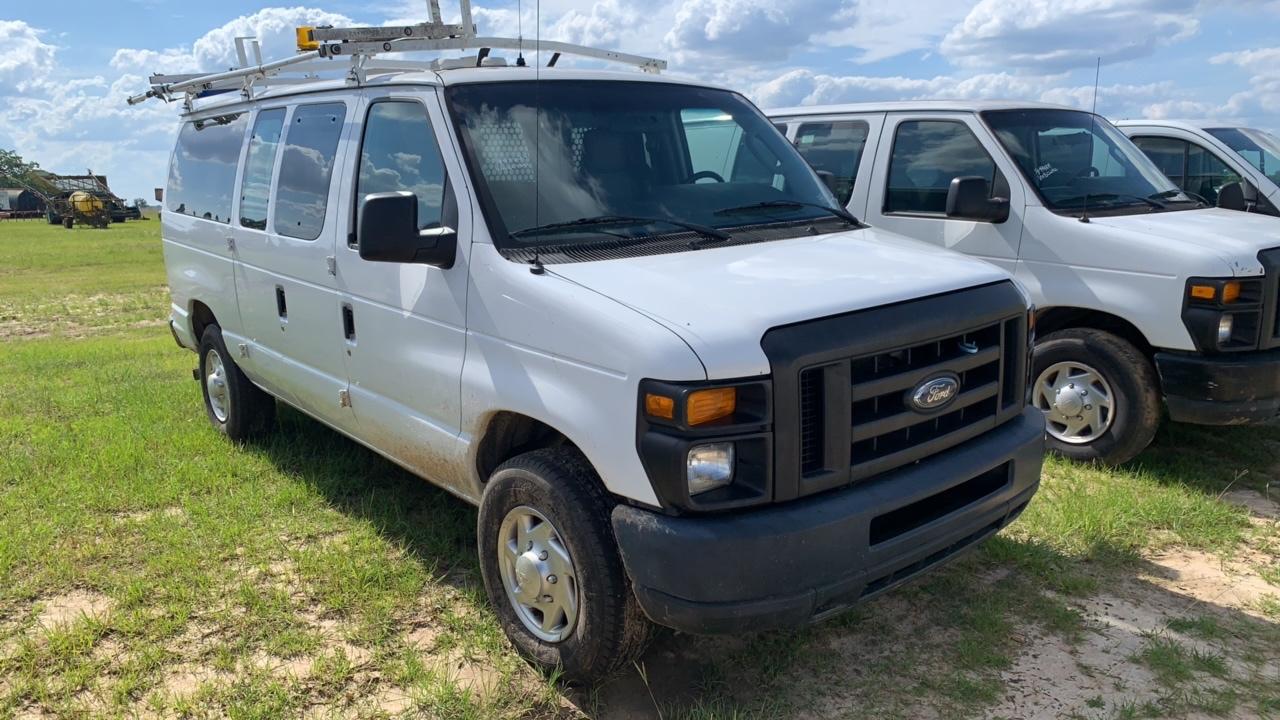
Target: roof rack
{"x": 320, "y": 47}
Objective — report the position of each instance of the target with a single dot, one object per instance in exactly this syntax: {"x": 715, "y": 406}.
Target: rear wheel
{"x": 1099, "y": 395}
{"x": 551, "y": 566}
{"x": 235, "y": 406}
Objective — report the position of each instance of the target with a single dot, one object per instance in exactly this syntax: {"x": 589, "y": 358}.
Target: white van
{"x": 1205, "y": 158}
{"x": 620, "y": 314}
{"x": 1142, "y": 291}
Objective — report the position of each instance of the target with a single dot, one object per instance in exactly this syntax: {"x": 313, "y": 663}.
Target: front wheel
{"x": 1098, "y": 393}
{"x": 551, "y": 566}
{"x": 236, "y": 407}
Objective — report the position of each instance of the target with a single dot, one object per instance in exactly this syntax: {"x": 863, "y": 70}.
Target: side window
{"x": 834, "y": 147}
{"x": 1206, "y": 174}
{"x": 399, "y": 153}
{"x": 1168, "y": 154}
{"x": 255, "y": 189}
{"x": 302, "y": 190}
{"x": 720, "y": 150}
{"x": 202, "y": 178}
{"x": 927, "y": 155}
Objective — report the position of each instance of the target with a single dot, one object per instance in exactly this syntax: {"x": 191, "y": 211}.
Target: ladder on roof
{"x": 319, "y": 47}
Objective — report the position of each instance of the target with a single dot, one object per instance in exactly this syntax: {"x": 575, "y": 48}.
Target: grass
{"x": 147, "y": 564}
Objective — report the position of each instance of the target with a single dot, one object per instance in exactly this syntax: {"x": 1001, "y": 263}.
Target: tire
{"x": 611, "y": 631}
{"x": 237, "y": 408}
{"x": 1122, "y": 371}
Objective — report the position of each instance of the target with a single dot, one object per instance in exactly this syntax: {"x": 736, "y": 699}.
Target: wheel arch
{"x": 506, "y": 434}
{"x": 200, "y": 317}
{"x": 1053, "y": 319}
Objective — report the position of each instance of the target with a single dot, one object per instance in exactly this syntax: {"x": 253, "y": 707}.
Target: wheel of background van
{"x": 235, "y": 406}
{"x": 1098, "y": 393}
{"x": 551, "y": 567}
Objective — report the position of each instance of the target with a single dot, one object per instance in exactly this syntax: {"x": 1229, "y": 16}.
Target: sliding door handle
{"x": 348, "y": 323}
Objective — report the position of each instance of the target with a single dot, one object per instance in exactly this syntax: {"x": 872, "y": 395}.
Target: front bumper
{"x": 1233, "y": 389}
{"x": 807, "y": 559}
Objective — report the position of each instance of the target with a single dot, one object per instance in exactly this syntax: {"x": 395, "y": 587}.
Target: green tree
{"x": 13, "y": 166}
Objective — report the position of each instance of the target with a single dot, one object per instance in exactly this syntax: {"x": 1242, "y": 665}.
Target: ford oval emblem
{"x": 935, "y": 393}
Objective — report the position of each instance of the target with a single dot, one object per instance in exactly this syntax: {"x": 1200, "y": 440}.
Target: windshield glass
{"x": 562, "y": 162}
{"x": 1075, "y": 158}
{"x": 1259, "y": 148}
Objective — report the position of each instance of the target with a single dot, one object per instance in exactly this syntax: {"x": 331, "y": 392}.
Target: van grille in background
{"x": 1270, "y": 260}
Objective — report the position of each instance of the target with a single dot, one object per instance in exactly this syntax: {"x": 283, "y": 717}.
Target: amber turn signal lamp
{"x": 1206, "y": 292}
{"x": 1230, "y": 292}
{"x": 705, "y": 406}
{"x": 659, "y": 406}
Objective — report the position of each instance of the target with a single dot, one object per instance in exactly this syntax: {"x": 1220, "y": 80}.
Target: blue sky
{"x": 70, "y": 63}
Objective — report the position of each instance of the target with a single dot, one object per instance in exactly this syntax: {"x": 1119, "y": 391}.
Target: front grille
{"x": 1271, "y": 292}
{"x": 886, "y": 431}
{"x": 852, "y": 393}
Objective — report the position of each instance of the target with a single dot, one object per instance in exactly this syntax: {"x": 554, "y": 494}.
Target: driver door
{"x": 920, "y": 155}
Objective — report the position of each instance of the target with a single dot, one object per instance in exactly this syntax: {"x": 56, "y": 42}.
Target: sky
{"x": 67, "y": 65}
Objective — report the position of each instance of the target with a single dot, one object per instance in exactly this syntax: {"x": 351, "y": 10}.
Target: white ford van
{"x": 1205, "y": 158}
{"x": 621, "y": 315}
{"x": 1143, "y": 292}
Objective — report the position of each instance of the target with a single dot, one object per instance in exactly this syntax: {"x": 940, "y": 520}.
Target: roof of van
{"x": 1177, "y": 124}
{"x": 972, "y": 106}
{"x": 445, "y": 78}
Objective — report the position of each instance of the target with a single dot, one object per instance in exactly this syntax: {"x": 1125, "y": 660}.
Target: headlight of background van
{"x": 1224, "y": 314}
{"x": 707, "y": 445}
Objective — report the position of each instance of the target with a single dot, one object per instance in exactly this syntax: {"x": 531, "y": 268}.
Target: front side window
{"x": 835, "y": 147}
{"x": 1076, "y": 160}
{"x": 202, "y": 177}
{"x": 1258, "y": 148}
{"x": 1207, "y": 173}
{"x": 255, "y": 189}
{"x": 630, "y": 161}
{"x": 302, "y": 190}
{"x": 927, "y": 155}
{"x": 1169, "y": 154}
{"x": 399, "y": 153}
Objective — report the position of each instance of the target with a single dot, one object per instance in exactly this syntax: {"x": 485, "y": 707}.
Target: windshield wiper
{"x": 1084, "y": 200}
{"x": 598, "y": 221}
{"x": 1168, "y": 195}
{"x": 779, "y": 204}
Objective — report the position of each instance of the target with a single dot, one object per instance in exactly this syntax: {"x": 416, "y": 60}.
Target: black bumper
{"x": 1231, "y": 389}
{"x": 801, "y": 561}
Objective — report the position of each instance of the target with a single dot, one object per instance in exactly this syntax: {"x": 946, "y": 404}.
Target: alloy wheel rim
{"x": 215, "y": 382}
{"x": 538, "y": 574}
{"x": 1076, "y": 400}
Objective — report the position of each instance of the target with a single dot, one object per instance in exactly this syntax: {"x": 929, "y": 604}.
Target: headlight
{"x": 1224, "y": 313}
{"x": 710, "y": 466}
{"x": 1225, "y": 326}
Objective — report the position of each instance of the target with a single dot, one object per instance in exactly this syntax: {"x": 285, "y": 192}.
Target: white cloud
{"x": 754, "y": 30}
{"x": 26, "y": 60}
{"x": 882, "y": 29}
{"x": 1056, "y": 36}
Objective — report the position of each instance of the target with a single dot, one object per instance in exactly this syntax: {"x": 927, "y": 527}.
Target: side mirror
{"x": 1238, "y": 196}
{"x": 159, "y": 195}
{"x": 969, "y": 198}
{"x": 388, "y": 232}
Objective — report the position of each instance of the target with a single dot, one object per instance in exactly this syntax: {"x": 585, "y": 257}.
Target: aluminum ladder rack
{"x": 321, "y": 50}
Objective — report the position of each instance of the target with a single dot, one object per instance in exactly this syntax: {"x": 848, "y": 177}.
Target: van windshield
{"x": 567, "y": 162}
{"x": 1259, "y": 148}
{"x": 1077, "y": 160}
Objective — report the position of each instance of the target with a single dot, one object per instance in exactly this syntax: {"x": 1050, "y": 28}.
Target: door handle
{"x": 348, "y": 323}
{"x": 282, "y": 308}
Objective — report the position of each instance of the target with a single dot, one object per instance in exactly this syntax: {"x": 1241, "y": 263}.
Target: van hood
{"x": 721, "y": 301}
{"x": 1234, "y": 236}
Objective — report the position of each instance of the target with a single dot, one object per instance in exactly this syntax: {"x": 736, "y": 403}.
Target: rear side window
{"x": 835, "y": 147}
{"x": 202, "y": 178}
{"x": 1207, "y": 173}
{"x": 302, "y": 191}
{"x": 399, "y": 153}
{"x": 1169, "y": 154}
{"x": 255, "y": 189}
{"x": 927, "y": 156}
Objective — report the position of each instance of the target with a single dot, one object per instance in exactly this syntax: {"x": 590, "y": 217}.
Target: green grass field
{"x": 148, "y": 568}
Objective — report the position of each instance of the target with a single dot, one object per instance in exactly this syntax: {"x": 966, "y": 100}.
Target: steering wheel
{"x": 704, "y": 174}
{"x": 1088, "y": 172}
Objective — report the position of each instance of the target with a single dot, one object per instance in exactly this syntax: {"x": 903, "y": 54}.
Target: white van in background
{"x": 620, "y": 314}
{"x": 1143, "y": 291}
{"x": 1205, "y": 158}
